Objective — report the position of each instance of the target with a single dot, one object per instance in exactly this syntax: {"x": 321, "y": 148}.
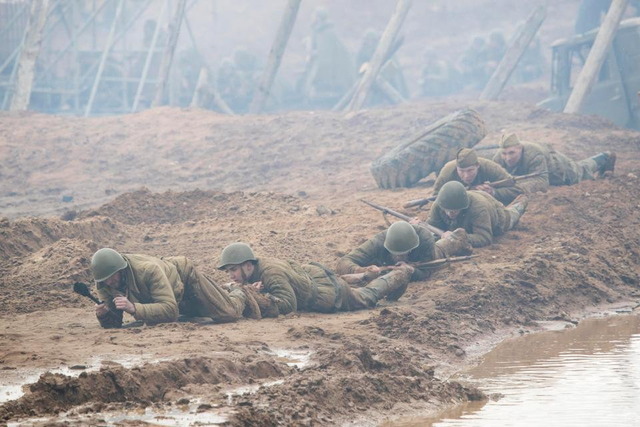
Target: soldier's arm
{"x": 446, "y": 174}
{"x": 425, "y": 252}
{"x": 113, "y": 317}
{"x": 537, "y": 163}
{"x": 481, "y": 233}
{"x": 164, "y": 307}
{"x": 276, "y": 286}
{"x": 435, "y": 218}
{"x": 362, "y": 256}
{"x": 505, "y": 195}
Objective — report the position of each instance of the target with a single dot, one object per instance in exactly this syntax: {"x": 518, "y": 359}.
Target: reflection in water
{"x": 587, "y": 376}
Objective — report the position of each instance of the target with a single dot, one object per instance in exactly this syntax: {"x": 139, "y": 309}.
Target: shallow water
{"x": 584, "y": 376}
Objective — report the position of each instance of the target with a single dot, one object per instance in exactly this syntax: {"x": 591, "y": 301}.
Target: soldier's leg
{"x": 455, "y": 245}
{"x": 516, "y": 209}
{"x": 598, "y": 164}
{"x": 391, "y": 285}
{"x": 207, "y": 299}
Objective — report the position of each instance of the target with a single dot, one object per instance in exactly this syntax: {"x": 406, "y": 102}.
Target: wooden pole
{"x": 103, "y": 59}
{"x": 512, "y": 56}
{"x": 379, "y": 56}
{"x": 389, "y": 91}
{"x": 29, "y": 54}
{"x": 169, "y": 50}
{"x": 275, "y": 56}
{"x": 149, "y": 57}
{"x": 596, "y": 57}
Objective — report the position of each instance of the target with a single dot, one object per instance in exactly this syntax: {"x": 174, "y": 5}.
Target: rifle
{"x": 507, "y": 182}
{"x": 358, "y": 278}
{"x": 419, "y": 202}
{"x": 510, "y": 182}
{"x": 407, "y": 218}
{"x": 487, "y": 147}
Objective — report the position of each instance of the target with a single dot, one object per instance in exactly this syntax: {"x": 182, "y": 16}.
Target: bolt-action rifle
{"x": 407, "y": 218}
{"x": 502, "y": 183}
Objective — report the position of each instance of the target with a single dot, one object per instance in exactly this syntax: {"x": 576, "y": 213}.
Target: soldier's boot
{"x": 605, "y": 162}
{"x": 516, "y": 209}
{"x": 391, "y": 285}
{"x": 456, "y": 244}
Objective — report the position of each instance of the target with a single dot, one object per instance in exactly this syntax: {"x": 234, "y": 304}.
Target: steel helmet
{"x": 453, "y": 196}
{"x": 401, "y": 238}
{"x": 105, "y": 263}
{"x": 234, "y": 254}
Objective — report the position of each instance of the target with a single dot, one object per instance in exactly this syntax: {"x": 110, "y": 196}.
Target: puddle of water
{"x": 248, "y": 389}
{"x": 181, "y": 415}
{"x": 298, "y": 358}
{"x": 13, "y": 382}
{"x": 586, "y": 376}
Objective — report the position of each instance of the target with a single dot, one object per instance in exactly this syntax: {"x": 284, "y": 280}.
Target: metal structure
{"x": 95, "y": 57}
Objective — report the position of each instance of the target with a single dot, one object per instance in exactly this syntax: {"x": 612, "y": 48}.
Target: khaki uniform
{"x": 482, "y": 220}
{"x": 373, "y": 252}
{"x": 562, "y": 170}
{"x": 489, "y": 171}
{"x": 161, "y": 288}
{"x": 311, "y": 287}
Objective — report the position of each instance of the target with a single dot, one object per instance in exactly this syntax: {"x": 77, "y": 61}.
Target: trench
{"x": 587, "y": 375}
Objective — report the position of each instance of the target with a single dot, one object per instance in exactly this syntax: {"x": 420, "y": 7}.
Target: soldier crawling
{"x": 156, "y": 290}
{"x": 522, "y": 158}
{"x": 475, "y": 173}
{"x": 284, "y": 286}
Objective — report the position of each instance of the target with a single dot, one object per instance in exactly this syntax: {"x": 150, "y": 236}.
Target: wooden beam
{"x": 512, "y": 56}
{"x": 103, "y": 59}
{"x": 380, "y": 55}
{"x": 29, "y": 54}
{"x": 275, "y": 56}
{"x": 169, "y": 51}
{"x": 596, "y": 57}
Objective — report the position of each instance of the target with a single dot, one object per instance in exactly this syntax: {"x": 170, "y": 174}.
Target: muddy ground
{"x": 188, "y": 182}
{"x": 289, "y": 185}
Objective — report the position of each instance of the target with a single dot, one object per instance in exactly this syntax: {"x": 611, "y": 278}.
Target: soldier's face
{"x": 467, "y": 175}
{"x": 400, "y": 257}
{"x": 239, "y": 273}
{"x": 511, "y": 155}
{"x": 113, "y": 281}
{"x": 452, "y": 214}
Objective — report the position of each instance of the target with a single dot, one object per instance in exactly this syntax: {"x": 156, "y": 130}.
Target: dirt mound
{"x": 144, "y": 206}
{"x": 324, "y": 394}
{"x": 54, "y": 393}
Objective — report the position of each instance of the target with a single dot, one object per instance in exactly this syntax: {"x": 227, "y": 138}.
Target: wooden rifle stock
{"x": 404, "y": 217}
{"x": 510, "y": 182}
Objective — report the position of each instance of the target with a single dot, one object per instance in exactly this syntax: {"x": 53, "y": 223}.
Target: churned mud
{"x": 575, "y": 252}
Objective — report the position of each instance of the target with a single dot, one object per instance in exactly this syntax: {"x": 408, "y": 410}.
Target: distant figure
{"x": 437, "y": 76}
{"x": 329, "y": 71}
{"x": 531, "y": 65}
{"x": 227, "y": 82}
{"x": 494, "y": 52}
{"x": 391, "y": 70}
{"x": 472, "y": 64}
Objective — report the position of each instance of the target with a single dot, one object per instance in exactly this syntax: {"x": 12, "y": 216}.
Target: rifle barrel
{"x": 404, "y": 217}
{"x": 418, "y": 202}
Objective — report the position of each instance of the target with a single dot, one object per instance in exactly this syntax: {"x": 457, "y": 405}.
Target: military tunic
{"x": 537, "y": 158}
{"x": 489, "y": 171}
{"x": 161, "y": 288}
{"x": 373, "y": 252}
{"x": 482, "y": 220}
{"x": 311, "y": 287}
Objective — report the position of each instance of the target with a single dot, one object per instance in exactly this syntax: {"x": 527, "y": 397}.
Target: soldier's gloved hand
{"x": 407, "y": 267}
{"x": 486, "y": 188}
{"x": 122, "y": 303}
{"x": 101, "y": 310}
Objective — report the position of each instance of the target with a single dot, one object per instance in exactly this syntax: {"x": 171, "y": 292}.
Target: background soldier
{"x": 475, "y": 173}
{"x": 522, "y": 158}
{"x": 285, "y": 286}
{"x": 401, "y": 242}
{"x": 155, "y": 290}
{"x": 479, "y": 214}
